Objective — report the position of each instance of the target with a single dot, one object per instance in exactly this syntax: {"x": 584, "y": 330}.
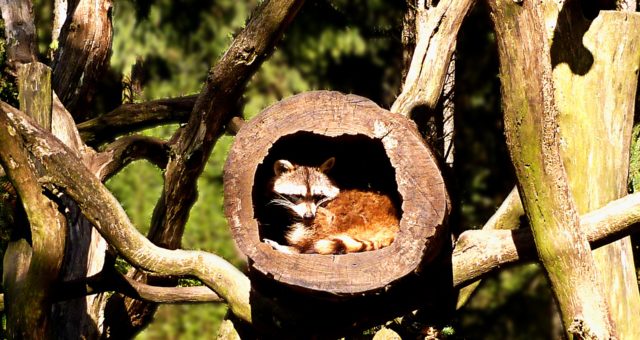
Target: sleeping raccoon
{"x": 327, "y": 220}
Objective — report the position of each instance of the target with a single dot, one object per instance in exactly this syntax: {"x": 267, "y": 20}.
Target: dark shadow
{"x": 567, "y": 44}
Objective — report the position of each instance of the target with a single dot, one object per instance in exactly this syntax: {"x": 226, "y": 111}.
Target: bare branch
{"x": 437, "y": 29}
{"x": 126, "y": 150}
{"x": 20, "y": 32}
{"x": 115, "y": 281}
{"x": 59, "y": 17}
{"x": 476, "y": 253}
{"x": 61, "y": 171}
{"x": 128, "y": 118}
{"x": 214, "y": 108}
{"x": 506, "y": 217}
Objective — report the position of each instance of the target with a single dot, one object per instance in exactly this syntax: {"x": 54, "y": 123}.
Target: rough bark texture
{"x": 327, "y": 116}
{"x": 436, "y": 29}
{"x": 60, "y": 172}
{"x": 20, "y": 32}
{"x": 83, "y": 53}
{"x": 506, "y": 217}
{"x": 478, "y": 252}
{"x": 128, "y": 118}
{"x": 595, "y": 98}
{"x": 531, "y": 130}
{"x": 30, "y": 282}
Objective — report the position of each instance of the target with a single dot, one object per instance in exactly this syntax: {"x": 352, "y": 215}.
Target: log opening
{"x": 377, "y": 148}
{"x": 360, "y": 163}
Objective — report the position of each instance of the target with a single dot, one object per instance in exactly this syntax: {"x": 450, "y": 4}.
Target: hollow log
{"x": 373, "y": 148}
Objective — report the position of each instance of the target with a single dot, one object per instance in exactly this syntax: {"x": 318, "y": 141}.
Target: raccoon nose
{"x": 308, "y": 216}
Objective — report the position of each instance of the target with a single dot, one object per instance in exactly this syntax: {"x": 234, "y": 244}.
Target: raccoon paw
{"x": 285, "y": 249}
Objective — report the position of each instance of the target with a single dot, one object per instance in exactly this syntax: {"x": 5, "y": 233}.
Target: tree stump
{"x": 374, "y": 148}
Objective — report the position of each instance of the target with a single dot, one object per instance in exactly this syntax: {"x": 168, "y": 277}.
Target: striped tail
{"x": 342, "y": 244}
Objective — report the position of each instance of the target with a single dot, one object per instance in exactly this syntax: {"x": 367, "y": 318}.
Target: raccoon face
{"x": 302, "y": 189}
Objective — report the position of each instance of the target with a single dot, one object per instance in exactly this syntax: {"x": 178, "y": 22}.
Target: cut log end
{"x": 374, "y": 150}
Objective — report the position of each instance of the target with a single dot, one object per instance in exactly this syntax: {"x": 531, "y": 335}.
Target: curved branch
{"x": 61, "y": 171}
{"x": 436, "y": 30}
{"x": 129, "y": 118}
{"x": 115, "y": 281}
{"x": 125, "y": 150}
{"x": 213, "y": 110}
{"x": 476, "y": 253}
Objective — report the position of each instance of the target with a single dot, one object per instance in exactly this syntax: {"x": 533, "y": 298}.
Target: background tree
{"x": 159, "y": 51}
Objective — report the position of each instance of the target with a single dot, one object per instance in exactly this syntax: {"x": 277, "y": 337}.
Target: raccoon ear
{"x": 328, "y": 164}
{"x": 282, "y": 166}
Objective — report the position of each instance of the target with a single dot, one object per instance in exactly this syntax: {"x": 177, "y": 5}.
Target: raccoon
{"x": 327, "y": 220}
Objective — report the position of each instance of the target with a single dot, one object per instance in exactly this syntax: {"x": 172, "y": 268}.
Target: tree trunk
{"x": 531, "y": 129}
{"x": 595, "y": 88}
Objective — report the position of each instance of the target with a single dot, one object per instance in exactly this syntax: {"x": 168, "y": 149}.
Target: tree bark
{"x": 530, "y": 115}
{"x": 595, "y": 88}
{"x": 436, "y": 31}
{"x": 20, "y": 32}
{"x": 83, "y": 53}
{"x": 38, "y": 256}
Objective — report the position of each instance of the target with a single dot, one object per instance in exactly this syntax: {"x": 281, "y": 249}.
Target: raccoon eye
{"x": 294, "y": 198}
{"x": 319, "y": 199}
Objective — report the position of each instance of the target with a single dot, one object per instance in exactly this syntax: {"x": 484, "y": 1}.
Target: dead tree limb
{"x": 436, "y": 29}
{"x": 129, "y": 118}
{"x": 595, "y": 80}
{"x": 191, "y": 145}
{"x": 115, "y": 282}
{"x": 125, "y": 150}
{"x": 478, "y": 252}
{"x": 29, "y": 282}
{"x": 60, "y": 171}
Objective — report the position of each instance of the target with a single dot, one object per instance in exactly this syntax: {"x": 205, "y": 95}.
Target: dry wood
{"x": 20, "y": 32}
{"x": 506, "y": 217}
{"x": 29, "y": 289}
{"x": 595, "y": 98}
{"x": 83, "y": 53}
{"x": 478, "y": 252}
{"x": 436, "y": 29}
{"x": 129, "y": 118}
{"x": 60, "y": 172}
{"x": 126, "y": 150}
{"x": 530, "y": 116}
{"x": 331, "y": 115}
{"x": 216, "y": 104}
{"x": 116, "y": 282}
